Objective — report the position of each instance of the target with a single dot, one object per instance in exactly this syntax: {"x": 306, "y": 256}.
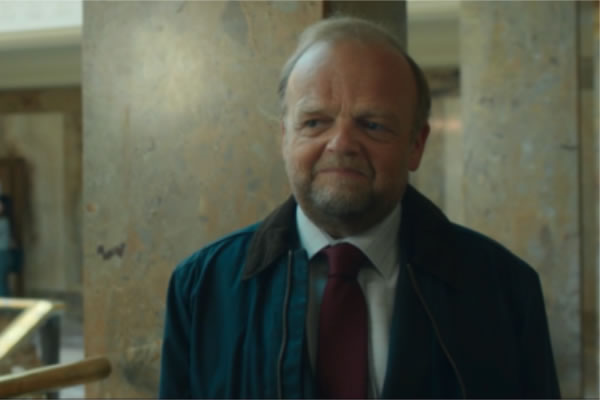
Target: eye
{"x": 377, "y": 131}
{"x": 372, "y": 126}
{"x": 313, "y": 126}
{"x": 311, "y": 123}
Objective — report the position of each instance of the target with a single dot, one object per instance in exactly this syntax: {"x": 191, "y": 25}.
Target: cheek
{"x": 390, "y": 168}
{"x": 303, "y": 155}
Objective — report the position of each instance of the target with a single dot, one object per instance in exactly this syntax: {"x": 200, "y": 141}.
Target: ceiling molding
{"x": 434, "y": 44}
{"x": 40, "y": 68}
{"x": 41, "y": 39}
{"x": 426, "y": 10}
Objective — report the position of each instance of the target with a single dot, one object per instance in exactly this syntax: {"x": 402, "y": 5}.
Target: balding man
{"x": 357, "y": 286}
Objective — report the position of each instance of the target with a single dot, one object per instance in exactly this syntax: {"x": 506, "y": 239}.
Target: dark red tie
{"x": 342, "y": 369}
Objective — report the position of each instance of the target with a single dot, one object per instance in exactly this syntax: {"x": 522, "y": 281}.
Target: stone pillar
{"x": 597, "y": 115}
{"x": 592, "y": 206}
{"x": 391, "y": 14}
{"x": 181, "y": 145}
{"x": 521, "y": 156}
{"x": 587, "y": 13}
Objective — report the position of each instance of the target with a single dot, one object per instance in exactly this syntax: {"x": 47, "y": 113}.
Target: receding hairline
{"x": 333, "y": 42}
{"x": 336, "y": 30}
{"x": 344, "y": 29}
{"x": 324, "y": 55}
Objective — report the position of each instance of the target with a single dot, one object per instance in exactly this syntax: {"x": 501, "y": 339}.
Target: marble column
{"x": 391, "y": 14}
{"x": 589, "y": 12}
{"x": 181, "y": 146}
{"x": 521, "y": 154}
{"x": 588, "y": 132}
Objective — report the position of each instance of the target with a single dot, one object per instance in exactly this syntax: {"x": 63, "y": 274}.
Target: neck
{"x": 341, "y": 226}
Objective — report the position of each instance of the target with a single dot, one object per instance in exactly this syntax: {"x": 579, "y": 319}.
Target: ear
{"x": 417, "y": 148}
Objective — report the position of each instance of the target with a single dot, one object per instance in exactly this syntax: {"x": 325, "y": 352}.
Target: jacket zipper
{"x": 286, "y": 300}
{"x": 437, "y": 331}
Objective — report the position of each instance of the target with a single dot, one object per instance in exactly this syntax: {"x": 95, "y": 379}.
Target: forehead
{"x": 351, "y": 71}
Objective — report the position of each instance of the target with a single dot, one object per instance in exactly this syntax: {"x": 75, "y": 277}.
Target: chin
{"x": 341, "y": 203}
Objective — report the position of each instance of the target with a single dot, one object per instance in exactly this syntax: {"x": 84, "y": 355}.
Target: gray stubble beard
{"x": 339, "y": 205}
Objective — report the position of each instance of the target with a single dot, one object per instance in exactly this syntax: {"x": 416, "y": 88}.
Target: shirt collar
{"x": 379, "y": 244}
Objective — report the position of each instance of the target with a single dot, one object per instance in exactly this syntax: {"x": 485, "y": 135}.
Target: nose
{"x": 344, "y": 138}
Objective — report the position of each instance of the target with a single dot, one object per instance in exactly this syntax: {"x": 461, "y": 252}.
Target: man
{"x": 357, "y": 286}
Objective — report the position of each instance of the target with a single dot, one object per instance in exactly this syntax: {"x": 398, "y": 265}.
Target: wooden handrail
{"x": 54, "y": 377}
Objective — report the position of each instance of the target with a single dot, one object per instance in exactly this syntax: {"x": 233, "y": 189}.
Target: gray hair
{"x": 352, "y": 28}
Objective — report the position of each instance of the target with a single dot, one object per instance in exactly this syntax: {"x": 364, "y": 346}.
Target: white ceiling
{"x": 40, "y": 41}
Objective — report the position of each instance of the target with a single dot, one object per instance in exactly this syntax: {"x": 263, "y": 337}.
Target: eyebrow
{"x": 375, "y": 113}
{"x": 308, "y": 105}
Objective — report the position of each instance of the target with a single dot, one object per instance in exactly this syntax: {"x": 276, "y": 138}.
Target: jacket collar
{"x": 273, "y": 238}
{"x": 425, "y": 238}
{"x": 428, "y": 240}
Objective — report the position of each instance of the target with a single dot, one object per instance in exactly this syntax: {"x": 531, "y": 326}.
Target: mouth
{"x": 343, "y": 172}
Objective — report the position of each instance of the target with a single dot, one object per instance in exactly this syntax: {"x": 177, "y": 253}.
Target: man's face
{"x": 348, "y": 142}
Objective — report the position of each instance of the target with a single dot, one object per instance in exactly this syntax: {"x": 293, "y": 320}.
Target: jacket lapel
{"x": 426, "y": 241}
{"x": 414, "y": 352}
{"x": 409, "y": 356}
{"x": 273, "y": 238}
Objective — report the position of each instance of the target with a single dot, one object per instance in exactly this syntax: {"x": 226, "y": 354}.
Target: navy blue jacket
{"x": 469, "y": 317}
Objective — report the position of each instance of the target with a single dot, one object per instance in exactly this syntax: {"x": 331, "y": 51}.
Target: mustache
{"x": 351, "y": 163}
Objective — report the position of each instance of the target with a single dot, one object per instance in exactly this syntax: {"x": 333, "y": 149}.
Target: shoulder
{"x": 227, "y": 254}
{"x": 480, "y": 254}
{"x": 467, "y": 254}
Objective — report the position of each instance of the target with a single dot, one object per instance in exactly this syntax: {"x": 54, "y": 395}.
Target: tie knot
{"x": 344, "y": 259}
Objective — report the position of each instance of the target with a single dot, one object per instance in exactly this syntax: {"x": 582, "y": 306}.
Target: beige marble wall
{"x": 521, "y": 185}
{"x": 391, "y": 14}
{"x": 39, "y": 140}
{"x": 181, "y": 145}
{"x": 592, "y": 207}
{"x": 44, "y": 128}
{"x": 440, "y": 174}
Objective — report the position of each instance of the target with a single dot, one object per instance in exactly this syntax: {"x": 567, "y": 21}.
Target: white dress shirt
{"x": 377, "y": 281}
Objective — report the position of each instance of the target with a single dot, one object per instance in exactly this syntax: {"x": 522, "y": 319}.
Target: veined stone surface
{"x": 520, "y": 118}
